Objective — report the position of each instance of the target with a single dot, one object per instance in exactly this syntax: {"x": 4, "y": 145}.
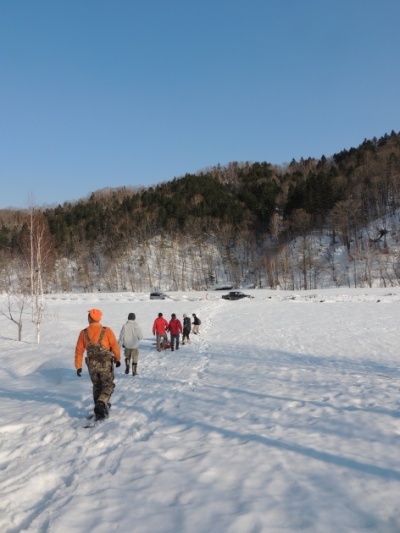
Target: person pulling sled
{"x": 175, "y": 329}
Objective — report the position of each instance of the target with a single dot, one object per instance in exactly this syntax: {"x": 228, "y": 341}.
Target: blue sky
{"x": 101, "y": 93}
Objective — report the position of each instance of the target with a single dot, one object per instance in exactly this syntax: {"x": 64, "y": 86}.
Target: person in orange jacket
{"x": 102, "y": 351}
{"x": 160, "y": 328}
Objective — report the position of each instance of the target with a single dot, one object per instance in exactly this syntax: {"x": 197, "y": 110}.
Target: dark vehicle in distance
{"x": 235, "y": 295}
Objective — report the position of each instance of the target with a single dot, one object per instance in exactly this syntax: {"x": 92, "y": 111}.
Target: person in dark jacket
{"x": 187, "y": 326}
{"x": 196, "y": 324}
{"x": 175, "y": 329}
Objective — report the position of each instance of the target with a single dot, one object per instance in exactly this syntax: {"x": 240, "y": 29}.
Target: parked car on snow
{"x": 158, "y": 295}
{"x": 235, "y": 295}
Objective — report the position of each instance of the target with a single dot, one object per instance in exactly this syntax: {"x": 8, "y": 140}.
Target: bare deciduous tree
{"x": 14, "y": 308}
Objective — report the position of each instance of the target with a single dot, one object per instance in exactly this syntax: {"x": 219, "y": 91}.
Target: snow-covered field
{"x": 282, "y": 416}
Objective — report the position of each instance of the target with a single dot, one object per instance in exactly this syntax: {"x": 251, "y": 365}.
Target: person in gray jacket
{"x": 129, "y": 338}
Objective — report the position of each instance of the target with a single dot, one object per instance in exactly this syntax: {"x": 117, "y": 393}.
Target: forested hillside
{"x": 246, "y": 223}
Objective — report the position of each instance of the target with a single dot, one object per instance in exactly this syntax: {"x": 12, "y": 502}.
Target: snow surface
{"x": 283, "y": 415}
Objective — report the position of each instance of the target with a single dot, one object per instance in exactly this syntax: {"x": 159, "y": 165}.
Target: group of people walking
{"x": 103, "y": 350}
{"x": 161, "y": 328}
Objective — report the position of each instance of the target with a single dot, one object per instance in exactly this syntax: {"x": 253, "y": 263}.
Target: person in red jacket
{"x": 175, "y": 329}
{"x": 160, "y": 328}
{"x": 102, "y": 351}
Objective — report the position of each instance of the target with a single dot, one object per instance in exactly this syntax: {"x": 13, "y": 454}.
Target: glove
{"x": 79, "y": 372}
{"x": 118, "y": 364}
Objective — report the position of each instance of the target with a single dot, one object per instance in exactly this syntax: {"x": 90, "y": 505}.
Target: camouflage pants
{"x": 102, "y": 375}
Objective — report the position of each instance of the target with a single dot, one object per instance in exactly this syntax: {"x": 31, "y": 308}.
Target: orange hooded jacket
{"x": 94, "y": 329}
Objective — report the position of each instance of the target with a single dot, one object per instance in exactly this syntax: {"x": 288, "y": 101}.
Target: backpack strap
{"x": 101, "y": 335}
{"x": 85, "y": 331}
{"x": 103, "y": 330}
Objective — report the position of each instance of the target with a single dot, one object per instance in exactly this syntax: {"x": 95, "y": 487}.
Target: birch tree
{"x": 40, "y": 249}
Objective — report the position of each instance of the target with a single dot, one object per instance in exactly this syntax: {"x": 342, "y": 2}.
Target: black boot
{"x": 127, "y": 366}
{"x": 100, "y": 411}
{"x": 134, "y": 367}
